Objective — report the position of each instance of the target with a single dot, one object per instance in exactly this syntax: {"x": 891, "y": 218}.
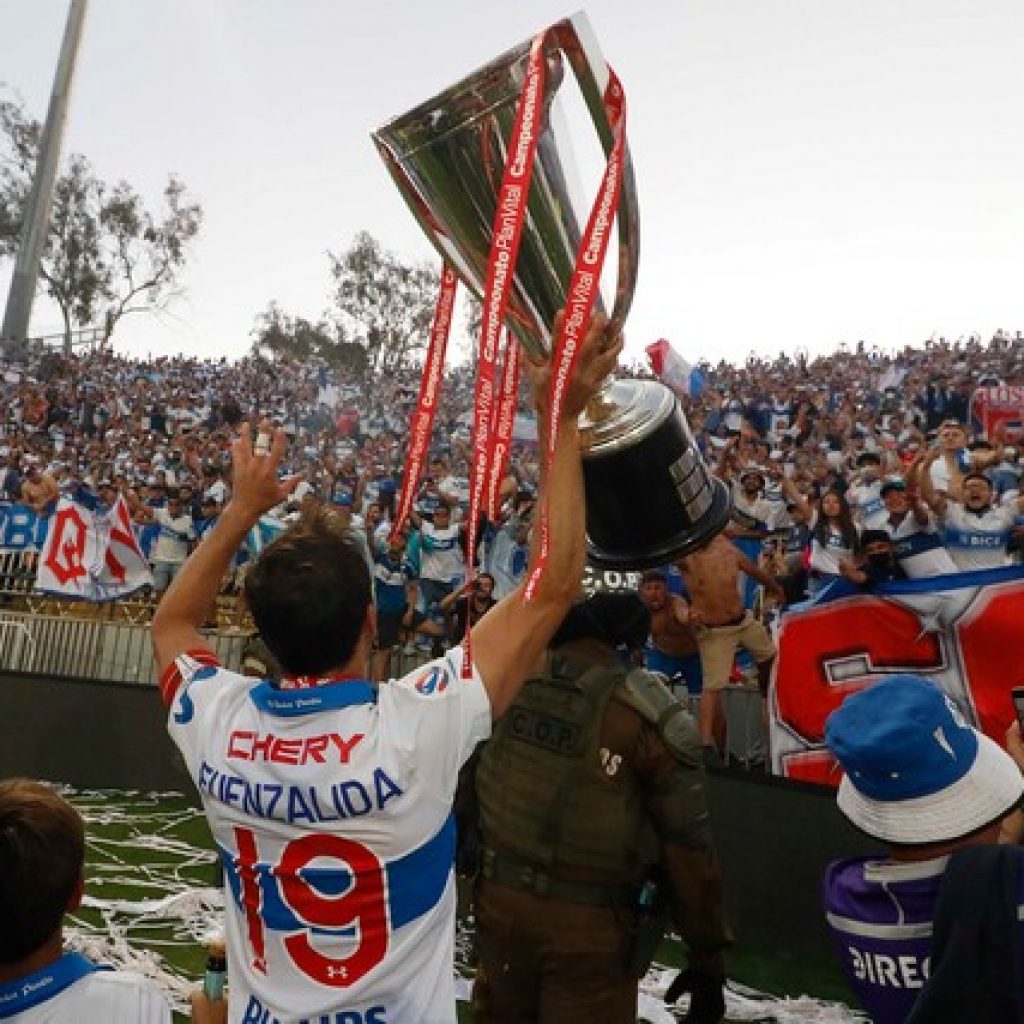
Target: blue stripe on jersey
{"x": 988, "y": 539}
{"x": 916, "y": 544}
{"x": 417, "y": 881}
{"x": 310, "y": 700}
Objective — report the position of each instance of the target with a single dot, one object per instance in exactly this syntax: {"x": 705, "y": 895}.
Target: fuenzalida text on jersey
{"x": 297, "y": 805}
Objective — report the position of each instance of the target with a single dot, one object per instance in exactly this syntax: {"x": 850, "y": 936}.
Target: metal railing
{"x": 93, "y": 649}
{"x": 89, "y": 338}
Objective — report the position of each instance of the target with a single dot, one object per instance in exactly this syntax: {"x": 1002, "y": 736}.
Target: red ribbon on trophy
{"x": 426, "y": 401}
{"x": 583, "y": 288}
{"x": 502, "y": 425}
{"x": 507, "y": 232}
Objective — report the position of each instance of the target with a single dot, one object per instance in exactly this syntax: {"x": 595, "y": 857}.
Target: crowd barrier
{"x": 92, "y": 649}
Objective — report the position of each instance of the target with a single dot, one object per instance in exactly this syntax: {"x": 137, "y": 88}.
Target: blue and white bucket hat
{"x": 915, "y": 771}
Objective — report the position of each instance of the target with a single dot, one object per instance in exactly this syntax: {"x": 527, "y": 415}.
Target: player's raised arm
{"x": 190, "y": 598}
{"x": 509, "y": 639}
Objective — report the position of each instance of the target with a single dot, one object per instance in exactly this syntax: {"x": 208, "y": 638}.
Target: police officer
{"x": 594, "y": 832}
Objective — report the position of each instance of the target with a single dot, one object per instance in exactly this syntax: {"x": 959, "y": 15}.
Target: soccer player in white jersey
{"x": 328, "y": 797}
{"x": 976, "y": 532}
{"x": 42, "y": 855}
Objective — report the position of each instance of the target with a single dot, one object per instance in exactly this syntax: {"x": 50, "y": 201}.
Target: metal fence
{"x": 92, "y": 649}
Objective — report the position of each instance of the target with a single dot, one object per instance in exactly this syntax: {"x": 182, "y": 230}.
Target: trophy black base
{"x": 650, "y": 496}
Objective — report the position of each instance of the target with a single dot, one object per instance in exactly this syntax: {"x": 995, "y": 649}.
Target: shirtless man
{"x": 39, "y": 489}
{"x": 671, "y": 647}
{"x": 721, "y": 625}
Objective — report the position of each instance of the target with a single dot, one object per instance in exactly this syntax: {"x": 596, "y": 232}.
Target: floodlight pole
{"x": 36, "y": 224}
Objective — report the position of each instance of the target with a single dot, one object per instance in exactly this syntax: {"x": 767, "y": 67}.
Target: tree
{"x": 105, "y": 251}
{"x": 382, "y": 303}
{"x": 278, "y": 335}
{"x": 20, "y": 135}
{"x": 74, "y": 270}
{"x": 145, "y": 257}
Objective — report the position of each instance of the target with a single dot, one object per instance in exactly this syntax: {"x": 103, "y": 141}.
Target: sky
{"x": 809, "y": 171}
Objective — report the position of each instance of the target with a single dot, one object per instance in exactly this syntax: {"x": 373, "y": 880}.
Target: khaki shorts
{"x": 718, "y": 645}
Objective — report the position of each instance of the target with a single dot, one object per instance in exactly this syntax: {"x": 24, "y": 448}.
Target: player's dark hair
{"x": 308, "y": 593}
{"x": 42, "y": 850}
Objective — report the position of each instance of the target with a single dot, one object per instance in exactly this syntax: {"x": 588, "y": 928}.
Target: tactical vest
{"x": 543, "y": 792}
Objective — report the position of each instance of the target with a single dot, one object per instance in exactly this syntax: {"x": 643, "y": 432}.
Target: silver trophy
{"x": 650, "y": 497}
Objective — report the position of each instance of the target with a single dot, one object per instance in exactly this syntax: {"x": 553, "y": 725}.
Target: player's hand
{"x": 595, "y": 359}
{"x": 208, "y": 1011}
{"x": 707, "y": 996}
{"x": 255, "y": 484}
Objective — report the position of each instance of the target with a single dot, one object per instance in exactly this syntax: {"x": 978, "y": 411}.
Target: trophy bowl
{"x": 650, "y": 496}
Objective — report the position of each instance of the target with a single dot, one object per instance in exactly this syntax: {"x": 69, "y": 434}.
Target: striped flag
{"x": 673, "y": 370}
{"x": 263, "y": 533}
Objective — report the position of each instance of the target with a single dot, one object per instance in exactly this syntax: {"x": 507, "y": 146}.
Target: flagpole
{"x": 35, "y": 227}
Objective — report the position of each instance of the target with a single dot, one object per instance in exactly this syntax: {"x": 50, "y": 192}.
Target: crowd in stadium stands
{"x": 857, "y": 465}
{"x": 853, "y": 469}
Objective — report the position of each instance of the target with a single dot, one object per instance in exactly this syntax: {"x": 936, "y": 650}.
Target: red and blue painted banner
{"x": 91, "y": 554}
{"x": 998, "y": 411}
{"x": 963, "y": 631}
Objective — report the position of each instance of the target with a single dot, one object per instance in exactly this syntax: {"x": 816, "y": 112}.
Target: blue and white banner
{"x": 263, "y": 533}
{"x": 21, "y": 529}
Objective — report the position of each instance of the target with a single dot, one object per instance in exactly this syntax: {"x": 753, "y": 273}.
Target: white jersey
{"x": 174, "y": 536}
{"x": 74, "y": 991}
{"x": 919, "y": 549}
{"x": 441, "y": 557}
{"x": 332, "y": 810}
{"x": 760, "y": 513}
{"x": 866, "y": 503}
{"x": 940, "y": 473}
{"x": 978, "y": 541}
{"x": 825, "y": 558}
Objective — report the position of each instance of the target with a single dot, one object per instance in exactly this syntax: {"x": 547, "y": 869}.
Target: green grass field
{"x": 151, "y": 901}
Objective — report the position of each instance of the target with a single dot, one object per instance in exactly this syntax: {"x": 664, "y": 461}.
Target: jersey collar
{"x": 329, "y": 695}
{"x": 49, "y": 981}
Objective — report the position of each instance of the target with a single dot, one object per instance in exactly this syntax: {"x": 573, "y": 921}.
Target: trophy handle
{"x": 581, "y": 49}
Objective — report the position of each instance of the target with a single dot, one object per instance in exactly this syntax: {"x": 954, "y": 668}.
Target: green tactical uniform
{"x": 591, "y": 776}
